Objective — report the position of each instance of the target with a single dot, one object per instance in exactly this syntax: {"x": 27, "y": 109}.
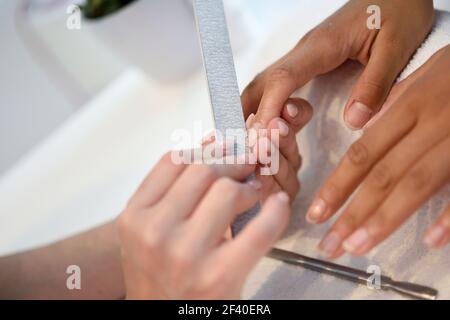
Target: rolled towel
{"x": 436, "y": 40}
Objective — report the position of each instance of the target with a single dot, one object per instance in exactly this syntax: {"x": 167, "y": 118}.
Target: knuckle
{"x": 332, "y": 193}
{"x": 181, "y": 258}
{"x": 213, "y": 283}
{"x": 297, "y": 163}
{"x": 253, "y": 84}
{"x": 418, "y": 178}
{"x": 153, "y": 239}
{"x": 380, "y": 177}
{"x": 358, "y": 153}
{"x": 349, "y": 220}
{"x": 371, "y": 88}
{"x": 281, "y": 74}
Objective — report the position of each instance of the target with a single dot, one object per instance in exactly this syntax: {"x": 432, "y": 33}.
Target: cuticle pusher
{"x": 354, "y": 275}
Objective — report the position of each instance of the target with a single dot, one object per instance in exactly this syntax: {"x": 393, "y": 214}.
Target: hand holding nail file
{"x": 222, "y": 82}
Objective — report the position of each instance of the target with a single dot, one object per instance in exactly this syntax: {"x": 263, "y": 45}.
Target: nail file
{"x": 222, "y": 82}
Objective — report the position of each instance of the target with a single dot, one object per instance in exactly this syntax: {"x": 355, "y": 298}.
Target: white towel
{"x": 403, "y": 255}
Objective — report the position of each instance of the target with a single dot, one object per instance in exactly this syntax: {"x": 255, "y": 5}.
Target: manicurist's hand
{"x": 400, "y": 161}
{"x": 173, "y": 231}
{"x": 345, "y": 35}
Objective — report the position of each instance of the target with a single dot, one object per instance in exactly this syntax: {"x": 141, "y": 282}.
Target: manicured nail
{"x": 256, "y": 184}
{"x": 435, "y": 236}
{"x": 283, "y": 197}
{"x": 250, "y": 120}
{"x": 283, "y": 128}
{"x": 316, "y": 210}
{"x": 331, "y": 243}
{"x": 357, "y": 240}
{"x": 292, "y": 110}
{"x": 357, "y": 115}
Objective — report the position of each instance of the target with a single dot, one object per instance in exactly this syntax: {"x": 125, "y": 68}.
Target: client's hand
{"x": 294, "y": 116}
{"x": 399, "y": 162}
{"x": 172, "y": 231}
{"x": 345, "y": 35}
{"x": 277, "y": 142}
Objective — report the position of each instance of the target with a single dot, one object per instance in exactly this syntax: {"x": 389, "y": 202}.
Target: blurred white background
{"x": 47, "y": 72}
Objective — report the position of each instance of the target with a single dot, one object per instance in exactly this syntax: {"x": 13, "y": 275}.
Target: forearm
{"x": 41, "y": 273}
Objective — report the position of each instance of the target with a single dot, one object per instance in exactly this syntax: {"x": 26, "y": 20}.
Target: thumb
{"x": 315, "y": 54}
{"x": 373, "y": 87}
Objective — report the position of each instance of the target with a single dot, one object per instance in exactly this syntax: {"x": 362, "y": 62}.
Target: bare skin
{"x": 41, "y": 273}
{"x": 343, "y": 36}
{"x": 393, "y": 149}
{"x": 173, "y": 231}
{"x": 399, "y": 163}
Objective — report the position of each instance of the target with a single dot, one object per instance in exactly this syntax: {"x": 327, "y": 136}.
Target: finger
{"x": 284, "y": 138}
{"x": 373, "y": 86}
{"x": 438, "y": 235}
{"x": 251, "y": 96}
{"x": 358, "y": 161}
{"x": 191, "y": 186}
{"x": 278, "y": 167}
{"x": 256, "y": 239}
{"x": 269, "y": 185}
{"x": 427, "y": 176}
{"x": 223, "y": 202}
{"x": 297, "y": 113}
{"x": 399, "y": 89}
{"x": 315, "y": 54}
{"x": 380, "y": 182}
{"x": 157, "y": 182}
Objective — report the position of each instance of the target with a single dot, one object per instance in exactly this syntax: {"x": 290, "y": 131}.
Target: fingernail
{"x": 256, "y": 184}
{"x": 264, "y": 147}
{"x": 435, "y": 236}
{"x": 330, "y": 243}
{"x": 316, "y": 210}
{"x": 283, "y": 128}
{"x": 292, "y": 110}
{"x": 358, "y": 239}
{"x": 357, "y": 115}
{"x": 282, "y": 197}
{"x": 250, "y": 120}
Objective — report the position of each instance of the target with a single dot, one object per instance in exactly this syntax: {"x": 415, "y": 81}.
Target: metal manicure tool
{"x": 353, "y": 275}
{"x": 227, "y": 111}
